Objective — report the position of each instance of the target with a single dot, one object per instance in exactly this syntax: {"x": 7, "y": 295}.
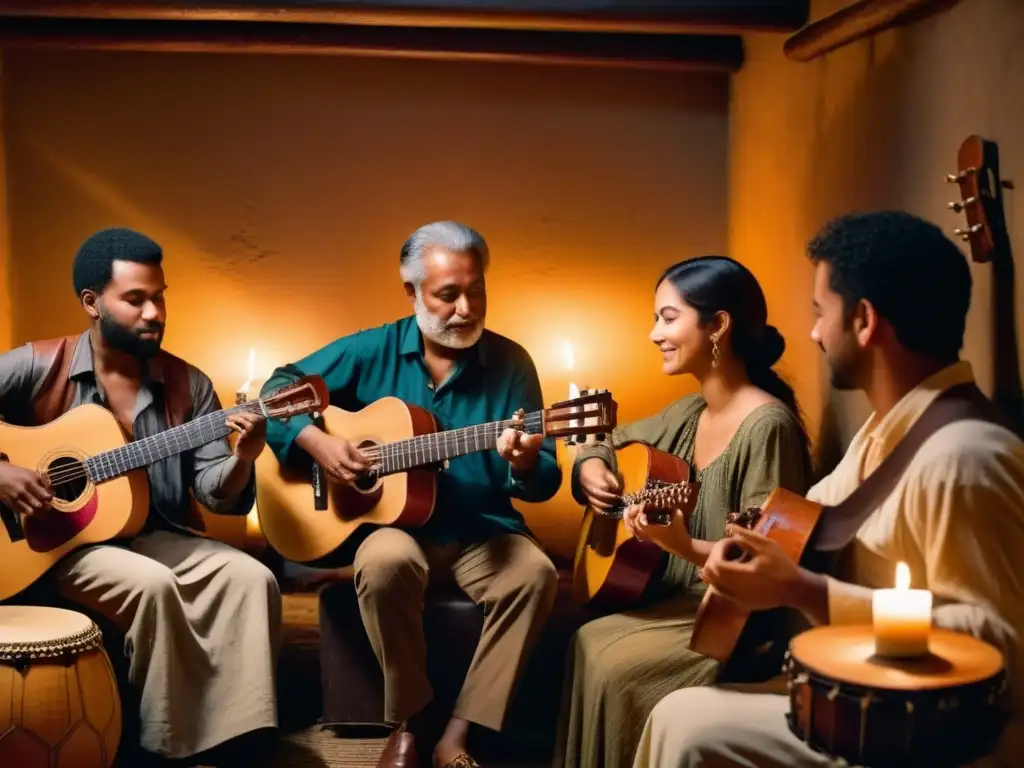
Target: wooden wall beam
{"x": 712, "y": 53}
{"x": 857, "y": 21}
{"x": 639, "y": 16}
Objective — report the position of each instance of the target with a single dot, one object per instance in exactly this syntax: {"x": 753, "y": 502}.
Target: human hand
{"x": 599, "y": 484}
{"x": 23, "y": 490}
{"x": 750, "y": 569}
{"x": 519, "y": 449}
{"x": 252, "y": 434}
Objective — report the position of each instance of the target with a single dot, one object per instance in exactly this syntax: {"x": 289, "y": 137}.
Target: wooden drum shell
{"x": 882, "y": 728}
{"x": 59, "y": 703}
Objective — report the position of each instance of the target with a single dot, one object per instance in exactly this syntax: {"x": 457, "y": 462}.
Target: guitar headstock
{"x": 306, "y": 395}
{"x": 593, "y": 413}
{"x": 981, "y": 198}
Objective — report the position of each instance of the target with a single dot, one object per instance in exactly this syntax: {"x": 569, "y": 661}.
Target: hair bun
{"x": 772, "y": 346}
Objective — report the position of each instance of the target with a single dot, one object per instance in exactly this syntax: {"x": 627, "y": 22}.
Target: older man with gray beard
{"x": 444, "y": 360}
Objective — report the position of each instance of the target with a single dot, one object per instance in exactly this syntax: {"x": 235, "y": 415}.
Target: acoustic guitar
{"x": 308, "y": 520}
{"x": 98, "y": 479}
{"x": 611, "y": 569}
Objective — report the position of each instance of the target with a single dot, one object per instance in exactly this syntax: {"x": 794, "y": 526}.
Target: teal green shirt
{"x": 494, "y": 379}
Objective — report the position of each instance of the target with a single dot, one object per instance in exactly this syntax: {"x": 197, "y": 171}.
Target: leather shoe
{"x": 400, "y": 751}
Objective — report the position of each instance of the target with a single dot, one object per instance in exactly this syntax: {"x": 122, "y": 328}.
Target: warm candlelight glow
{"x": 902, "y": 617}
{"x": 251, "y": 373}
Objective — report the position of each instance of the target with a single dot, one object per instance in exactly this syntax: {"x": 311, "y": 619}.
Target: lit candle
{"x": 242, "y": 395}
{"x": 570, "y": 362}
{"x": 902, "y": 617}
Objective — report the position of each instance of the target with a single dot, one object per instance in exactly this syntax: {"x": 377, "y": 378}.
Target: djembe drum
{"x": 59, "y": 705}
{"x": 940, "y": 710}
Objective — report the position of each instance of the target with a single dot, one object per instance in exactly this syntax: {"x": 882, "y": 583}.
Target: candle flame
{"x": 568, "y": 354}
{"x": 902, "y": 576}
{"x": 251, "y": 371}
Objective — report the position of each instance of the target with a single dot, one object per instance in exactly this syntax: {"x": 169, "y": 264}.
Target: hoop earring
{"x": 714, "y": 353}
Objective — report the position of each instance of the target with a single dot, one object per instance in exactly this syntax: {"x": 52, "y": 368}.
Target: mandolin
{"x": 611, "y": 569}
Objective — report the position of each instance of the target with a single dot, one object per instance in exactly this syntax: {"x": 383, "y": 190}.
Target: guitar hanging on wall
{"x": 981, "y": 200}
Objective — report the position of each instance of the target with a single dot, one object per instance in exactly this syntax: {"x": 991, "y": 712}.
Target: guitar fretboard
{"x": 186, "y": 437}
{"x": 433, "y": 448}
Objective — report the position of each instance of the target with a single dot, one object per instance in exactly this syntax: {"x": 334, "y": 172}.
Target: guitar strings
{"x": 410, "y": 445}
{"x": 400, "y": 449}
{"x": 77, "y": 470}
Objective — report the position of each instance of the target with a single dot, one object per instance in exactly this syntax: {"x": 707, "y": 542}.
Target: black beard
{"x": 127, "y": 340}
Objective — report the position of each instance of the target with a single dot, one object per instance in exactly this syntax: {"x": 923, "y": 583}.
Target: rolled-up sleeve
{"x": 213, "y": 461}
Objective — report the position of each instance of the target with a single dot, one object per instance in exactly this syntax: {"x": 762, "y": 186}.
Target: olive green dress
{"x": 621, "y": 665}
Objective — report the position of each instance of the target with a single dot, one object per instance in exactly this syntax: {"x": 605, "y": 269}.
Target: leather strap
{"x": 839, "y": 524}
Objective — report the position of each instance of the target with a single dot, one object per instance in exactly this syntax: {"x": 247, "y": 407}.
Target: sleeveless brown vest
{"x": 57, "y": 392}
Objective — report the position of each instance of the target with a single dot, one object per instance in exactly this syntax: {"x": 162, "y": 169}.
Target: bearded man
{"x": 200, "y": 619}
{"x": 444, "y": 360}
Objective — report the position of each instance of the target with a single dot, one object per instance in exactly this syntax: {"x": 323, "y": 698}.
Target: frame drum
{"x": 940, "y": 710}
{"x": 59, "y": 704}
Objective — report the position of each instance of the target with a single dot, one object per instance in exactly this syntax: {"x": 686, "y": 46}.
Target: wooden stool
{"x": 59, "y": 704}
{"x": 942, "y": 709}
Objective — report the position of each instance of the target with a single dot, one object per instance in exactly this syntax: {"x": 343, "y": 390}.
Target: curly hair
{"x": 94, "y": 262}
{"x": 912, "y": 274}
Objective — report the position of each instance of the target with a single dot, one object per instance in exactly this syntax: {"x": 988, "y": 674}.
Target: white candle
{"x": 902, "y": 617}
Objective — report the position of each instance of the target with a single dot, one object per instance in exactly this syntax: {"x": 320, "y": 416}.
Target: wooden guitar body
{"x": 284, "y": 494}
{"x": 785, "y": 517}
{"x": 82, "y": 512}
{"x": 611, "y": 568}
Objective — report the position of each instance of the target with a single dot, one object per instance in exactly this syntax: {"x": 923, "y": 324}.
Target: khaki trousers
{"x": 508, "y": 575}
{"x": 201, "y": 622}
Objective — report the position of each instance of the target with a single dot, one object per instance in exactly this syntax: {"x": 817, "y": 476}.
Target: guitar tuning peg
{"x": 957, "y": 206}
{"x": 965, "y": 233}
{"x": 954, "y": 178}
{"x": 1007, "y": 184}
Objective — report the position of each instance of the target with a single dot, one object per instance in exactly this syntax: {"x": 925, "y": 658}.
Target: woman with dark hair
{"x": 743, "y": 437}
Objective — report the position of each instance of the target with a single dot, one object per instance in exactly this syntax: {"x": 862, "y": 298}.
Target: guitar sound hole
{"x": 366, "y": 482}
{"x": 68, "y": 478}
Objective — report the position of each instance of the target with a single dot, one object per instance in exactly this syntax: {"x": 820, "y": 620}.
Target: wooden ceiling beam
{"x": 682, "y": 53}
{"x": 855, "y": 22}
{"x": 627, "y": 16}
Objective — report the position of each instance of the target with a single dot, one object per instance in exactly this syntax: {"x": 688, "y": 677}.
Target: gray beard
{"x": 438, "y": 332}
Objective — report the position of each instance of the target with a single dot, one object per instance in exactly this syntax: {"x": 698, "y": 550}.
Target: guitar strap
{"x": 839, "y": 524}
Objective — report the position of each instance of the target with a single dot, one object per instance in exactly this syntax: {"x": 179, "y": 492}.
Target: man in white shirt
{"x": 891, "y": 294}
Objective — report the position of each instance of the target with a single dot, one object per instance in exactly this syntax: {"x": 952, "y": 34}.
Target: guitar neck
{"x": 149, "y": 450}
{"x": 436, "y": 447}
